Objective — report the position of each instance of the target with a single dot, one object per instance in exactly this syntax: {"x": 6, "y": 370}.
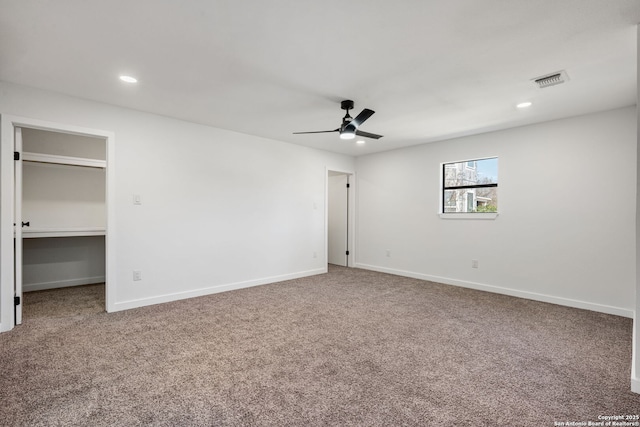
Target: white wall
{"x": 59, "y": 196}
{"x": 566, "y": 213}
{"x": 219, "y": 209}
{"x": 58, "y": 262}
{"x": 63, "y": 144}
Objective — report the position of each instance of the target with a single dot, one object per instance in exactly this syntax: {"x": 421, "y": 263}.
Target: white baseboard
{"x": 126, "y": 305}
{"x": 618, "y": 311}
{"x": 30, "y": 287}
{"x": 635, "y": 385}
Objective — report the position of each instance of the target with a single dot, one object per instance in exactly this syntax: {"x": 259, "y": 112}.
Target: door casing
{"x": 8, "y": 125}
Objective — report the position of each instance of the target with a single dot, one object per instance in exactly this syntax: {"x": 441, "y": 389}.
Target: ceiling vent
{"x": 551, "y": 79}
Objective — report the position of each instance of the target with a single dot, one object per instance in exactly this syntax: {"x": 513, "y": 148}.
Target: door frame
{"x": 351, "y": 215}
{"x": 8, "y": 123}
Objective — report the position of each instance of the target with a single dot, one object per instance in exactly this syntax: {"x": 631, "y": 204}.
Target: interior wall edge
{"x": 176, "y": 296}
{"x": 635, "y": 343}
{"x": 567, "y": 302}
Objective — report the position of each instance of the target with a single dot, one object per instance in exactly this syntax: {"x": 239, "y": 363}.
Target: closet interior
{"x": 63, "y": 209}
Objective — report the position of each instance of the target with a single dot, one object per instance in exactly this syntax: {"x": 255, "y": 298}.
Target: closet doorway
{"x": 63, "y": 209}
{"x": 59, "y": 209}
{"x": 340, "y": 229}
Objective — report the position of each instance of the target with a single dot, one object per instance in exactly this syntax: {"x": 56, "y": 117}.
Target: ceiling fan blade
{"x": 368, "y": 135}
{"x": 317, "y": 131}
{"x": 360, "y": 118}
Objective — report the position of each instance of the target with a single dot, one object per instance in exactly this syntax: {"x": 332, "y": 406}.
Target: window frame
{"x": 444, "y": 189}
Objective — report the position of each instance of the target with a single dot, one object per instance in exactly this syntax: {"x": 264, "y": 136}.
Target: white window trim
{"x": 469, "y": 215}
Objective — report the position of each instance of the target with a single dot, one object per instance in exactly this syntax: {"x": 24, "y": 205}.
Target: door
{"x": 338, "y": 211}
{"x": 17, "y": 221}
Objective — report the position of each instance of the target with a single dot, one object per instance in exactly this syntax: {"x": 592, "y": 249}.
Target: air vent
{"x": 551, "y": 79}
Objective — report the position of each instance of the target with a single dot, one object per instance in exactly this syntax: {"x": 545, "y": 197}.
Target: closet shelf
{"x": 63, "y": 160}
{"x": 34, "y": 233}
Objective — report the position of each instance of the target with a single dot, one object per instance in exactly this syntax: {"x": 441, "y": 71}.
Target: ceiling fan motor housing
{"x": 347, "y": 104}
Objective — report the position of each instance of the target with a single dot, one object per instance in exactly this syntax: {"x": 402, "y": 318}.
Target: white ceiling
{"x": 431, "y": 69}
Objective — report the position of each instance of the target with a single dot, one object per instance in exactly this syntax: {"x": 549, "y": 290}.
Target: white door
{"x": 338, "y": 207}
{"x": 17, "y": 220}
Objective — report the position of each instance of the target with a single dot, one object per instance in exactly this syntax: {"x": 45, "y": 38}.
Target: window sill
{"x": 470, "y": 215}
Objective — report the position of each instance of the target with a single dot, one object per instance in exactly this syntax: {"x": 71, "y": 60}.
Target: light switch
{"x": 137, "y": 199}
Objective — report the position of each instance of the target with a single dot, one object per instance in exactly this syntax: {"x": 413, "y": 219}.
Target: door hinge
{"x": 347, "y": 252}
{"x": 16, "y": 155}
{"x": 16, "y": 300}
{"x": 348, "y": 185}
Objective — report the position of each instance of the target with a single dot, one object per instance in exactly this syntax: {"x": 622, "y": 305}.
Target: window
{"x": 470, "y": 186}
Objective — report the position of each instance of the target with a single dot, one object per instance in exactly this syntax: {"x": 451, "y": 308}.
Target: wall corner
{"x": 635, "y": 351}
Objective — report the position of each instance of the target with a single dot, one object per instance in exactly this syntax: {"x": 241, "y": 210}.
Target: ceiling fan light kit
{"x": 347, "y": 134}
{"x": 349, "y": 127}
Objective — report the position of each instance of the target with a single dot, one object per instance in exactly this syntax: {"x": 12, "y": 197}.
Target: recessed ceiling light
{"x": 360, "y": 142}
{"x": 524, "y": 104}
{"x": 128, "y": 79}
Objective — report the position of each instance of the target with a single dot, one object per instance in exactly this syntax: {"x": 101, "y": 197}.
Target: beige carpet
{"x": 351, "y": 347}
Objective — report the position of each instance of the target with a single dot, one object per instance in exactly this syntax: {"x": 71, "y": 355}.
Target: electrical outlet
{"x": 388, "y": 253}
{"x": 137, "y": 275}
{"x": 474, "y": 263}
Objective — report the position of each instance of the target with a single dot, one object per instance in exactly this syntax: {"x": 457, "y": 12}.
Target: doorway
{"x": 340, "y": 229}
{"x": 59, "y": 211}
{"x": 63, "y": 210}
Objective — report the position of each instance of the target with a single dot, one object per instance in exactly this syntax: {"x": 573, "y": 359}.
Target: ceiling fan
{"x": 349, "y": 127}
